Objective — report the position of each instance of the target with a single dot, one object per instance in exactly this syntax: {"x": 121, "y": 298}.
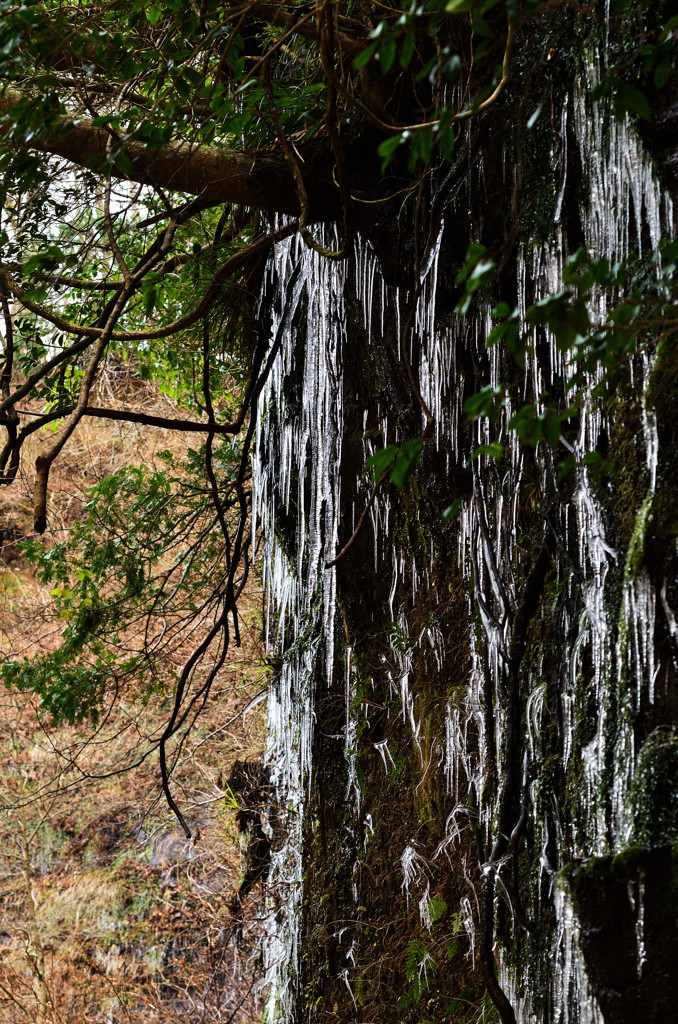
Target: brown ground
{"x": 107, "y": 913}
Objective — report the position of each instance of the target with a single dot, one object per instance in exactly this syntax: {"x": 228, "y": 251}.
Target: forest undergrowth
{"x": 107, "y": 912}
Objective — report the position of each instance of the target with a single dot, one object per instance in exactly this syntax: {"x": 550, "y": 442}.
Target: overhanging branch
{"x": 167, "y": 422}
{"x": 214, "y": 173}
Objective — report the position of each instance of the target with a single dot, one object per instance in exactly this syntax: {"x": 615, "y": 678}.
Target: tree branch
{"x": 167, "y": 422}
{"x": 219, "y": 278}
{"x": 214, "y": 173}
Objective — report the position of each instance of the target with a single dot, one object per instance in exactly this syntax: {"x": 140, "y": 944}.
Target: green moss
{"x": 629, "y": 476}
{"x": 600, "y": 887}
{"x": 661, "y": 398}
{"x": 594, "y": 874}
{"x": 636, "y": 551}
{"x": 662, "y": 391}
{"x": 655, "y": 792}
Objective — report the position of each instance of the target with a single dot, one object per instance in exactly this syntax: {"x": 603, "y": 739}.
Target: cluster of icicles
{"x": 297, "y": 476}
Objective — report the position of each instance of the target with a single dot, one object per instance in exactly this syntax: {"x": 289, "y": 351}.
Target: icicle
{"x": 573, "y": 1000}
{"x": 638, "y": 905}
{"x": 414, "y": 868}
{"x": 384, "y": 753}
{"x": 297, "y": 466}
{"x": 426, "y": 908}
{"x": 297, "y": 458}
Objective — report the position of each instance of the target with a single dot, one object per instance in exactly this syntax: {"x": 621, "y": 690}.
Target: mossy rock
{"x": 627, "y": 906}
{"x": 655, "y": 792}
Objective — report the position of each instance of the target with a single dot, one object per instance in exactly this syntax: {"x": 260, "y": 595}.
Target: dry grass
{"x": 107, "y": 913}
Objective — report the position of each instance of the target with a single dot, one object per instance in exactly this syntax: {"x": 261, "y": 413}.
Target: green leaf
{"x": 388, "y": 147}
{"x": 446, "y": 142}
{"x": 628, "y": 99}
{"x": 421, "y": 148}
{"x": 566, "y": 467}
{"x": 495, "y": 450}
{"x": 661, "y": 75}
{"x": 123, "y": 163}
{"x": 452, "y": 511}
{"x": 150, "y": 296}
{"x": 475, "y": 274}
{"x": 381, "y": 460}
{"x": 450, "y": 68}
{"x": 47, "y": 259}
{"x": 497, "y": 333}
{"x": 154, "y": 13}
{"x": 437, "y": 908}
{"x": 401, "y": 460}
{"x": 363, "y": 58}
{"x": 406, "y": 461}
{"x": 387, "y": 54}
{"x": 407, "y": 51}
{"x": 487, "y": 402}
{"x": 527, "y": 425}
{"x": 477, "y": 7}
{"x": 475, "y": 251}
{"x": 551, "y": 429}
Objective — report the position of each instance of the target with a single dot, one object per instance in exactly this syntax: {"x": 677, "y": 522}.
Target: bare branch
{"x": 234, "y": 263}
{"x": 167, "y": 422}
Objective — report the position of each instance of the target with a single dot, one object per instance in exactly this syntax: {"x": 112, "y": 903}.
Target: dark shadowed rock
{"x": 628, "y": 913}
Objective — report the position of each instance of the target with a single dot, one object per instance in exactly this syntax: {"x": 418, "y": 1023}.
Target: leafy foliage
{"x": 399, "y": 461}
{"x": 128, "y": 597}
{"x": 641, "y": 311}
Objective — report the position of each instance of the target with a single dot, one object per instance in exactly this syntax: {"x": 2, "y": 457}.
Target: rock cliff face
{"x": 473, "y": 733}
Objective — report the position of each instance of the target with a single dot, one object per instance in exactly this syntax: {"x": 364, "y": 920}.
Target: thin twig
{"x": 368, "y": 506}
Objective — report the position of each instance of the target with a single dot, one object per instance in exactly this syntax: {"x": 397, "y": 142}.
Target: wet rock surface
{"x": 628, "y": 918}
{"x": 463, "y": 709}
